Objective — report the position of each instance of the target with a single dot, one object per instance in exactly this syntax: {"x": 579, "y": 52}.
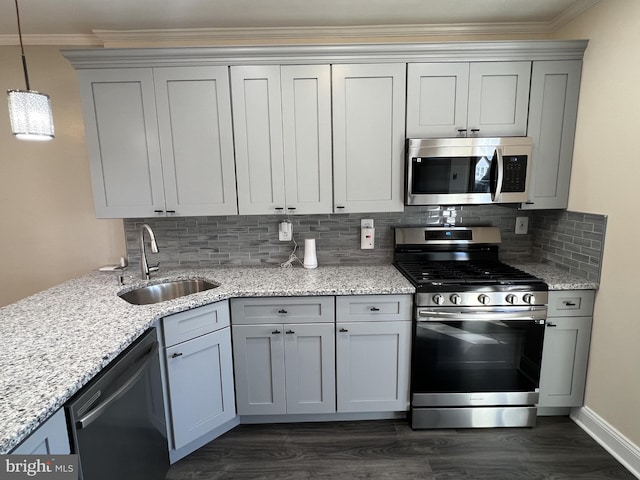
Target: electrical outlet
{"x": 522, "y": 225}
{"x": 366, "y": 223}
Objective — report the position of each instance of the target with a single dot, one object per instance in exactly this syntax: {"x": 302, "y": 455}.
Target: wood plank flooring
{"x": 556, "y": 449}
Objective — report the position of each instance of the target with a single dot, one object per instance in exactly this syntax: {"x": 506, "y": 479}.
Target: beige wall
{"x": 49, "y": 232}
{"x": 606, "y": 179}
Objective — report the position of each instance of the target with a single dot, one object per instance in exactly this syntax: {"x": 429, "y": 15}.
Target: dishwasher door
{"x": 117, "y": 420}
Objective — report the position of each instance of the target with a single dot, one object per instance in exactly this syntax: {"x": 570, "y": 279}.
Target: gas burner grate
{"x": 464, "y": 272}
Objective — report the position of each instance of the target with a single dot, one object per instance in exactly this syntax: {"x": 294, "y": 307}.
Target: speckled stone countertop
{"x": 556, "y": 278}
{"x": 54, "y": 342}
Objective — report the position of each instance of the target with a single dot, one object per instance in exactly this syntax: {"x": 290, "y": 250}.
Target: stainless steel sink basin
{"x": 166, "y": 291}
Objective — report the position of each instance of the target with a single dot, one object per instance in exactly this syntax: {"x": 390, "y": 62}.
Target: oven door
{"x": 477, "y": 356}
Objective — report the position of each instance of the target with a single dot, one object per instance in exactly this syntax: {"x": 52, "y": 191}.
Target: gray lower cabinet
{"x": 198, "y": 376}
{"x": 566, "y": 348}
{"x": 51, "y": 438}
{"x": 373, "y": 352}
{"x": 553, "y": 111}
{"x": 284, "y": 355}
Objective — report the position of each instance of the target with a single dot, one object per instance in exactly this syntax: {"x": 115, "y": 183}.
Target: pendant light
{"x": 29, "y": 111}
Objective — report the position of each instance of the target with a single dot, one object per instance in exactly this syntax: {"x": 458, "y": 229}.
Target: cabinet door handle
{"x": 279, "y": 208}
{"x": 276, "y": 332}
{"x": 461, "y": 131}
{"x": 343, "y": 330}
{"x": 171, "y": 212}
{"x": 474, "y": 131}
{"x": 289, "y": 332}
{"x": 339, "y": 206}
{"x": 551, "y": 324}
{"x": 283, "y": 311}
{"x": 158, "y": 211}
{"x": 176, "y": 355}
{"x": 374, "y": 309}
{"x": 291, "y": 208}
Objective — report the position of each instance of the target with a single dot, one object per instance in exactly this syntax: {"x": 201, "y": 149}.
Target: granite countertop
{"x": 54, "y": 342}
{"x": 556, "y": 278}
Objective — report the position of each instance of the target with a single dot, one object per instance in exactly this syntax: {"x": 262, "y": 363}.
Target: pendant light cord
{"x": 24, "y": 58}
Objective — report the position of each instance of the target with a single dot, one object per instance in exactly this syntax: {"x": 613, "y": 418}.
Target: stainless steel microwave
{"x": 458, "y": 171}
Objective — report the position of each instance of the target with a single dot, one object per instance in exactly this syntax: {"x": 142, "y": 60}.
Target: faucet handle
{"x": 154, "y": 268}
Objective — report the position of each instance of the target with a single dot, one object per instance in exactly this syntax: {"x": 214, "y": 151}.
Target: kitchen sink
{"x": 166, "y": 291}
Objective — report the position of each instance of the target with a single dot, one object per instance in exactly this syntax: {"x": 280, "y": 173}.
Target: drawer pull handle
{"x": 176, "y": 355}
{"x": 289, "y": 332}
{"x": 374, "y": 309}
{"x": 283, "y": 311}
{"x": 343, "y": 330}
{"x": 569, "y": 303}
{"x": 551, "y": 325}
{"x": 276, "y": 332}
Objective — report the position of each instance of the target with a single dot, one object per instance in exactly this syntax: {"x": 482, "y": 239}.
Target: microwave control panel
{"x": 515, "y": 173}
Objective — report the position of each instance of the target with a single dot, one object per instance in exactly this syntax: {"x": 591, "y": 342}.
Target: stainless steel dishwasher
{"x": 117, "y": 420}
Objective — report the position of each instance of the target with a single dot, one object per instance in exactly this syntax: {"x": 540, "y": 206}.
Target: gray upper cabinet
{"x": 553, "y": 111}
{"x": 463, "y": 99}
{"x": 282, "y": 122}
{"x": 368, "y": 137}
{"x": 160, "y": 141}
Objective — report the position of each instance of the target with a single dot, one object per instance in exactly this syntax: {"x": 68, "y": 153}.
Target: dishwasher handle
{"x": 97, "y": 412}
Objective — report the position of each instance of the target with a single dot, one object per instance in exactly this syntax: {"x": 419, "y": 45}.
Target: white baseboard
{"x": 626, "y": 452}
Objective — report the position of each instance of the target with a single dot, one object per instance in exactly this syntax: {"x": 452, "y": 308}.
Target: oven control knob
{"x": 529, "y": 298}
{"x": 511, "y": 299}
{"x": 438, "y": 299}
{"x": 483, "y": 299}
{"x": 455, "y": 299}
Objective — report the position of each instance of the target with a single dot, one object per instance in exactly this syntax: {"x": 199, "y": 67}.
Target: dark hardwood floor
{"x": 556, "y": 449}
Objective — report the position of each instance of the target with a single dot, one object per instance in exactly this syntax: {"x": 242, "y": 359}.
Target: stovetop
{"x": 453, "y": 273}
{"x": 459, "y": 266}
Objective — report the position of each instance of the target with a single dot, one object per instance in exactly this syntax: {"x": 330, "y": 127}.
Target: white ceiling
{"x": 76, "y": 21}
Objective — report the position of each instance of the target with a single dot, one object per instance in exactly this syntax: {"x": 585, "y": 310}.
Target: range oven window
{"x": 477, "y": 356}
{"x": 442, "y": 175}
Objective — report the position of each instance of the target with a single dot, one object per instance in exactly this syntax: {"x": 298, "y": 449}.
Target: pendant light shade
{"x": 30, "y": 114}
{"x": 29, "y": 111}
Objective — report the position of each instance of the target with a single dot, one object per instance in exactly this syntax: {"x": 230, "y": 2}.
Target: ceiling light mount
{"x": 29, "y": 110}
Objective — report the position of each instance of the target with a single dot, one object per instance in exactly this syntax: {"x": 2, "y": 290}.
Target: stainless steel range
{"x": 478, "y": 329}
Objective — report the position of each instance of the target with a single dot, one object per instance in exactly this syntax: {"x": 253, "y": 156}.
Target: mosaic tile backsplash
{"x": 573, "y": 241}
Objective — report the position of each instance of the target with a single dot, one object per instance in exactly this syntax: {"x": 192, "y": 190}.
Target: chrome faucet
{"x": 146, "y": 269}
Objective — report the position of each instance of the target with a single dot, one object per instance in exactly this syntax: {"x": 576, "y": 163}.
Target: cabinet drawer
{"x": 253, "y": 311}
{"x": 183, "y": 326}
{"x": 571, "y": 303}
{"x": 367, "y": 308}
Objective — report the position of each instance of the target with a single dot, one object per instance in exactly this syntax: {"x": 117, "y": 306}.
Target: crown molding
{"x": 313, "y": 34}
{"x": 576, "y": 9}
{"x": 270, "y": 35}
{"x": 52, "y": 39}
{"x": 514, "y": 50}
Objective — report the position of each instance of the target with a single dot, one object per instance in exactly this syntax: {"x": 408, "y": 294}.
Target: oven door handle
{"x": 535, "y": 313}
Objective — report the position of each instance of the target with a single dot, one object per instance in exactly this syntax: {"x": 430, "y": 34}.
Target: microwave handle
{"x": 498, "y": 177}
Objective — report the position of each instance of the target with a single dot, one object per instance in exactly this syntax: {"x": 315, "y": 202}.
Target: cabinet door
{"x": 200, "y": 382}
{"x": 51, "y": 438}
{"x": 309, "y": 351}
{"x": 437, "y": 95}
{"x": 257, "y": 123}
{"x": 306, "y": 116}
{"x": 372, "y": 365}
{"x": 564, "y": 361}
{"x": 498, "y": 98}
{"x": 258, "y": 352}
{"x": 553, "y": 111}
{"x": 122, "y": 138}
{"x": 196, "y": 140}
{"x": 368, "y": 137}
